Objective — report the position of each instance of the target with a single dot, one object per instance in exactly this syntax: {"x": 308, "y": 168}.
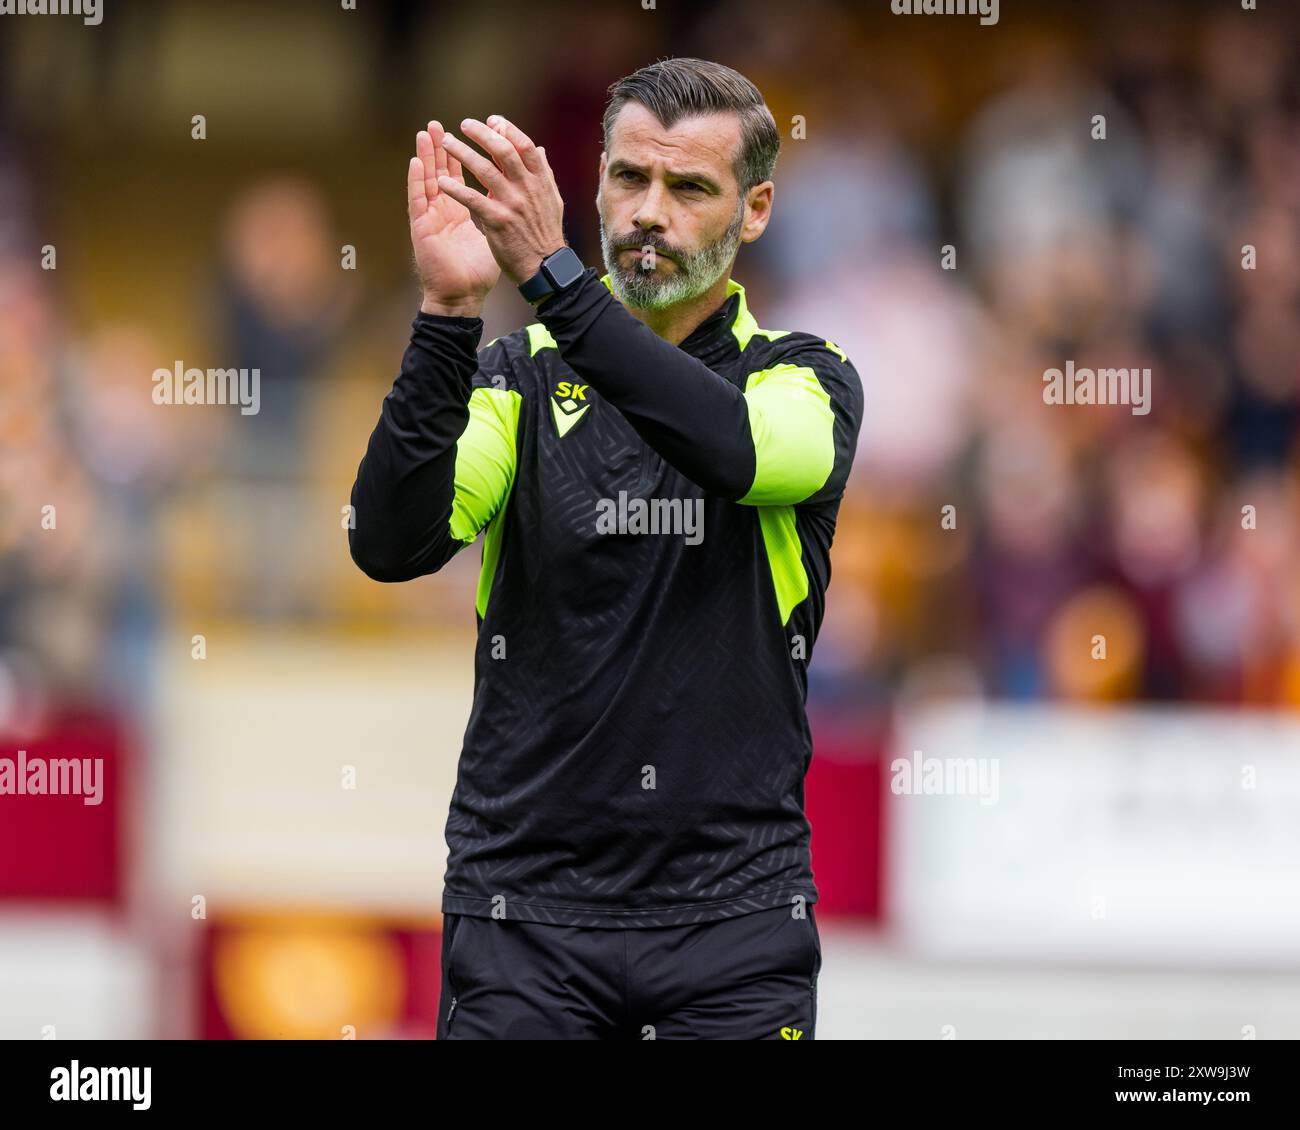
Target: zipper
{"x": 451, "y": 1011}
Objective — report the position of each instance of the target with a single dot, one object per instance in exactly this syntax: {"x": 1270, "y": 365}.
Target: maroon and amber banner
{"x": 313, "y": 976}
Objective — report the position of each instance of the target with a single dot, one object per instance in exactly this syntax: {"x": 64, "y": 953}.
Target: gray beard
{"x": 696, "y": 271}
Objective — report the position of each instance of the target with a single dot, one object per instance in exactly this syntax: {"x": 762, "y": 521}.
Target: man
{"x": 658, "y": 479}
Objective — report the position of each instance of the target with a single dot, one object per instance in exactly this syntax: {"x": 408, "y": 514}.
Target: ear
{"x": 758, "y": 211}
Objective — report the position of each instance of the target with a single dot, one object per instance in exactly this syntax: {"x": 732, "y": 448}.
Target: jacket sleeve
{"x": 788, "y": 437}
{"x": 441, "y": 459}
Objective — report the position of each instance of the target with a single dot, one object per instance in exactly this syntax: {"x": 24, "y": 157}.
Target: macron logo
{"x": 102, "y": 1084}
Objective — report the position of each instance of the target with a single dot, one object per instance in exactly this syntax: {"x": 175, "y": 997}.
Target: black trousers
{"x": 753, "y": 977}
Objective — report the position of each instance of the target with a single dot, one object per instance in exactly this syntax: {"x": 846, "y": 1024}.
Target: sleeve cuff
{"x": 447, "y": 321}
{"x": 576, "y": 297}
{"x": 444, "y": 334}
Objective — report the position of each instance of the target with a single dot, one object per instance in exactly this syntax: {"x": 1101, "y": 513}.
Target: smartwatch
{"x": 558, "y": 270}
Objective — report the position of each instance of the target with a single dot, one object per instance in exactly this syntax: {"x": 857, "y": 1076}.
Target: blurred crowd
{"x": 1096, "y": 554}
{"x": 950, "y": 216}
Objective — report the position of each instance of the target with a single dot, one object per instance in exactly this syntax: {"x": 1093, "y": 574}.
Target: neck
{"x": 676, "y": 323}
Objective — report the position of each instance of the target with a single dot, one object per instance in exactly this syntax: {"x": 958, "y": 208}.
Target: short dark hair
{"x": 672, "y": 89}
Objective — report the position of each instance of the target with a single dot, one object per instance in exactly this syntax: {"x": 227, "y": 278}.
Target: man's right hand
{"x": 456, "y": 266}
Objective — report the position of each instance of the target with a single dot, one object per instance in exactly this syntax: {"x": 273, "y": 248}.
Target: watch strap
{"x": 557, "y": 271}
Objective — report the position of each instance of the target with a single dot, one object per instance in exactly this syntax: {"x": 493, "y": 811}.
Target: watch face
{"x": 564, "y": 267}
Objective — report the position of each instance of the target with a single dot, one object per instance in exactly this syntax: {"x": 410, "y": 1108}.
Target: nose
{"x": 651, "y": 214}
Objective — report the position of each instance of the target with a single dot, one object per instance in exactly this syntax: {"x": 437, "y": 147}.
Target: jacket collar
{"x": 730, "y": 321}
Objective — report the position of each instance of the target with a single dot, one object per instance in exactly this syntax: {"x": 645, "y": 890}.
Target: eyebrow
{"x": 705, "y": 182}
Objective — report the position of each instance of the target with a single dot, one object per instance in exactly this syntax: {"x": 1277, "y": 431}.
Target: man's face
{"x": 671, "y": 213}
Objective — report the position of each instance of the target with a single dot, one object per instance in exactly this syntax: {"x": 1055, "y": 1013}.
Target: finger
{"x": 417, "y": 203}
{"x": 439, "y": 153}
{"x": 453, "y": 166}
{"x": 521, "y": 141}
{"x": 546, "y": 165}
{"x": 424, "y": 150}
{"x": 499, "y": 148}
{"x": 489, "y": 176}
{"x": 480, "y": 207}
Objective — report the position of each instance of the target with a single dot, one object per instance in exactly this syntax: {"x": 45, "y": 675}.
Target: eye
{"x": 628, "y": 176}
{"x": 690, "y": 186}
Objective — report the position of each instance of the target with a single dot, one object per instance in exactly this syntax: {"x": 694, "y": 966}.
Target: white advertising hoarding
{"x": 1151, "y": 835}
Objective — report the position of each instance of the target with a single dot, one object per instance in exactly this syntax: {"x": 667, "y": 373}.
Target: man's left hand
{"x": 522, "y": 215}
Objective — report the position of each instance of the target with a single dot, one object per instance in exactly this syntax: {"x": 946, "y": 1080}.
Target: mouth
{"x": 637, "y": 251}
